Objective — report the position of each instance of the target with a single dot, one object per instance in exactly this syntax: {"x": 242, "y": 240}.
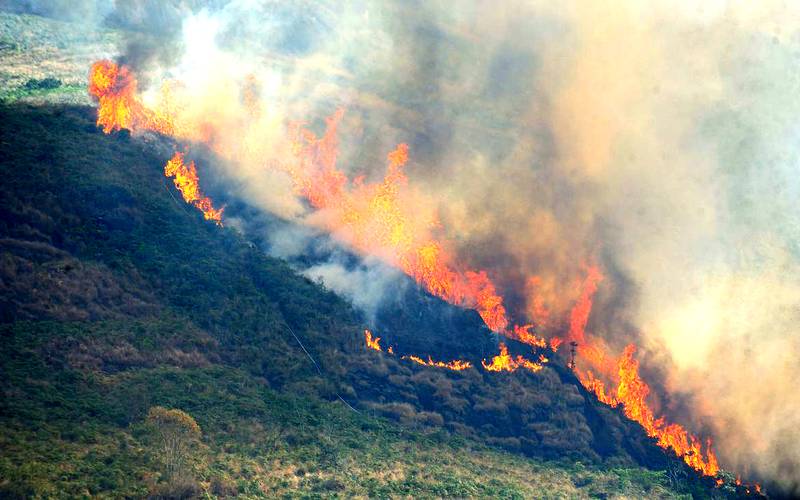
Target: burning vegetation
{"x": 119, "y": 107}
{"x": 382, "y": 219}
{"x": 504, "y": 362}
{"x": 456, "y": 365}
{"x": 386, "y": 220}
{"x": 372, "y": 343}
{"x": 186, "y": 180}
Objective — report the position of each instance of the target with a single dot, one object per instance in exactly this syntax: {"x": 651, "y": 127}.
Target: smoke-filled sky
{"x": 658, "y": 139}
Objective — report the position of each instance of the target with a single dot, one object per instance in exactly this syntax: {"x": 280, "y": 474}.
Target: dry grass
{"x": 33, "y": 47}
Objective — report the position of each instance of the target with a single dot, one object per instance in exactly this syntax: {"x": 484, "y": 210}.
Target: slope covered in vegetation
{"x": 117, "y": 298}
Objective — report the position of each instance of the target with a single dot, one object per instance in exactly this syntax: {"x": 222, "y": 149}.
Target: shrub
{"x": 43, "y": 84}
{"x": 176, "y": 433}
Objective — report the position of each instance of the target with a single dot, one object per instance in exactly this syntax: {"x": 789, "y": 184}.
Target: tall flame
{"x": 372, "y": 343}
{"x": 631, "y": 391}
{"x": 579, "y": 316}
{"x": 187, "y": 182}
{"x": 119, "y": 107}
{"x": 375, "y": 219}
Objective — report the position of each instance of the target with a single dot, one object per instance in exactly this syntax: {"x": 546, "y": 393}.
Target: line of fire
{"x": 374, "y": 221}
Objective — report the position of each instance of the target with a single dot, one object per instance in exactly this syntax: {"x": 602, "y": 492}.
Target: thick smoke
{"x": 657, "y": 139}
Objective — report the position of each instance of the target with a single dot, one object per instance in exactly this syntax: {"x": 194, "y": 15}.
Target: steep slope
{"x": 117, "y": 297}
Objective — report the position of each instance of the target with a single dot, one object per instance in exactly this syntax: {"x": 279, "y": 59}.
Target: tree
{"x": 177, "y": 433}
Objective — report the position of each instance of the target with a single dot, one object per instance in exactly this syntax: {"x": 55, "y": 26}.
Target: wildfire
{"x": 187, "y": 182}
{"x": 456, "y": 365}
{"x": 378, "y": 219}
{"x": 631, "y": 392}
{"x": 390, "y": 219}
{"x": 524, "y": 335}
{"x": 372, "y": 343}
{"x": 504, "y": 362}
{"x": 580, "y": 313}
{"x": 119, "y": 107}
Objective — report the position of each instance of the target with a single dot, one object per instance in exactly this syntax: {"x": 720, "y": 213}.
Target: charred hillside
{"x": 116, "y": 297}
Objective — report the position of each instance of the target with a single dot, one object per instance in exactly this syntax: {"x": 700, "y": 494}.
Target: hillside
{"x": 116, "y": 297}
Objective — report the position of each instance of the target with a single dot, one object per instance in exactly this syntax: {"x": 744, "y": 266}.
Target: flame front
{"x": 579, "y": 316}
{"x": 119, "y": 107}
{"x": 504, "y": 362}
{"x": 526, "y": 336}
{"x": 456, "y": 365}
{"x": 388, "y": 219}
{"x": 379, "y": 219}
{"x": 631, "y": 391}
{"x": 185, "y": 179}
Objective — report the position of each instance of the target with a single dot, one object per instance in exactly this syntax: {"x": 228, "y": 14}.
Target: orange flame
{"x": 579, "y": 316}
{"x": 632, "y": 393}
{"x": 372, "y": 343}
{"x": 456, "y": 365}
{"x": 187, "y": 182}
{"x": 597, "y": 386}
{"x": 119, "y": 107}
{"x": 375, "y": 219}
{"x": 631, "y": 390}
{"x": 524, "y": 335}
{"x": 382, "y": 219}
{"x": 115, "y": 89}
{"x": 504, "y": 362}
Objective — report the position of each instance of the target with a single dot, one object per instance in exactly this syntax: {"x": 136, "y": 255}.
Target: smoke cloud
{"x": 659, "y": 140}
{"x": 368, "y": 286}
